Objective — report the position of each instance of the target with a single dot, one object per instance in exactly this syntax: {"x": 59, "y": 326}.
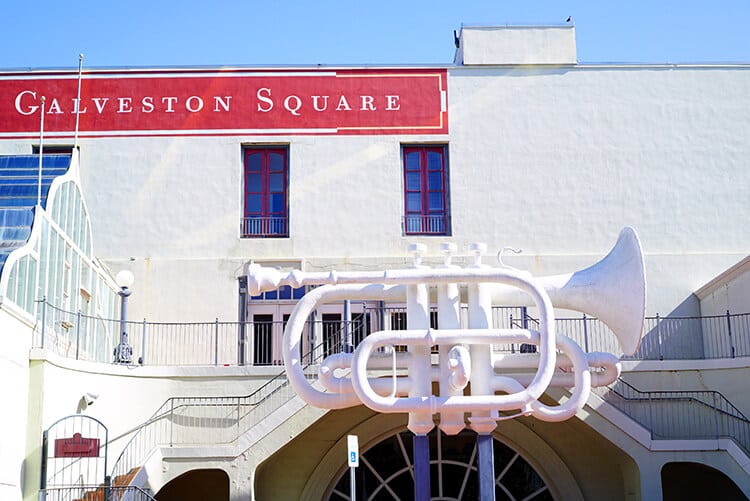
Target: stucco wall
{"x": 729, "y": 292}
{"x": 14, "y": 392}
{"x": 568, "y": 156}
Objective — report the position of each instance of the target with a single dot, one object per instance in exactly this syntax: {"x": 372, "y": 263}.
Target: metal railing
{"x": 96, "y": 492}
{"x": 272, "y": 226}
{"x": 692, "y": 415}
{"x": 664, "y": 338}
{"x": 85, "y": 337}
{"x": 74, "y": 452}
{"x": 425, "y": 225}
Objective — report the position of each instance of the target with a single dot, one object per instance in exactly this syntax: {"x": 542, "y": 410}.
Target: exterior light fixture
{"x": 123, "y": 351}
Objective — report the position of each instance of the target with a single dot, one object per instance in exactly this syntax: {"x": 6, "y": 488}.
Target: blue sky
{"x": 51, "y": 33}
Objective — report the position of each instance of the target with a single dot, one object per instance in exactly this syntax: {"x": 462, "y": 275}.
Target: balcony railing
{"x": 260, "y": 227}
{"x": 425, "y": 225}
{"x": 75, "y": 335}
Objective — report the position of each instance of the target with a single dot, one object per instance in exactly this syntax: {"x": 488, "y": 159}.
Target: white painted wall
{"x": 567, "y": 157}
{"x": 553, "y": 161}
{"x": 14, "y": 393}
{"x": 729, "y": 291}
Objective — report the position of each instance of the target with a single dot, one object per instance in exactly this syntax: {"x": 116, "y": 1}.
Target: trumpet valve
{"x": 477, "y": 250}
{"x": 459, "y": 365}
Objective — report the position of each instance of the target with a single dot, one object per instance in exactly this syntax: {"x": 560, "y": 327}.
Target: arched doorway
{"x": 196, "y": 485}
{"x": 386, "y": 471}
{"x": 685, "y": 480}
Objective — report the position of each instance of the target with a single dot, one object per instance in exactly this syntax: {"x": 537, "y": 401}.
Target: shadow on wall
{"x": 686, "y": 335}
{"x": 682, "y": 481}
{"x": 676, "y": 336}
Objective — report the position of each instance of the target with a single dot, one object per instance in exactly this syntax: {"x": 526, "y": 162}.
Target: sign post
{"x": 353, "y": 459}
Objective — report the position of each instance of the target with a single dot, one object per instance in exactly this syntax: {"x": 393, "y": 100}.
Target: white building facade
{"x": 187, "y": 176}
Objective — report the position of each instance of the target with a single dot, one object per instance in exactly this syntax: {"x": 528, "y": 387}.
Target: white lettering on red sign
{"x": 27, "y": 103}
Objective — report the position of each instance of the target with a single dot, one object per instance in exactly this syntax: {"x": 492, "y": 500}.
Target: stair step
{"x": 123, "y": 480}
{"x": 118, "y": 481}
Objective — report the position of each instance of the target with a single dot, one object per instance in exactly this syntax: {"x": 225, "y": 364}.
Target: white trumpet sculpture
{"x": 471, "y": 378}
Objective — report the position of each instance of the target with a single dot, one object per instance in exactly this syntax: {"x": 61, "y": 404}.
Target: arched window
{"x": 386, "y": 471}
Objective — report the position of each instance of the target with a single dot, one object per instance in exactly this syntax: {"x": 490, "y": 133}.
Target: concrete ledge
{"x": 156, "y": 371}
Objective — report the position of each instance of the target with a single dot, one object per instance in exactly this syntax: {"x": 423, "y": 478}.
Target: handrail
{"x": 71, "y": 492}
{"x": 736, "y": 412}
{"x": 691, "y": 414}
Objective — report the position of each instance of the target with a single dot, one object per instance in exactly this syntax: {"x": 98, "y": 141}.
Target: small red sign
{"x": 230, "y": 102}
{"x": 76, "y": 447}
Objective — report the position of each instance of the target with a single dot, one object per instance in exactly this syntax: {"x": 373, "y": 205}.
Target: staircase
{"x": 100, "y": 493}
{"x": 119, "y": 490}
{"x": 680, "y": 415}
{"x": 210, "y": 421}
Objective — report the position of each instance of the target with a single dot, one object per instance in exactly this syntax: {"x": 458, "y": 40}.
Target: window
{"x": 389, "y": 470}
{"x": 282, "y": 293}
{"x": 52, "y": 149}
{"x": 425, "y": 191}
{"x": 262, "y": 339}
{"x": 266, "y": 181}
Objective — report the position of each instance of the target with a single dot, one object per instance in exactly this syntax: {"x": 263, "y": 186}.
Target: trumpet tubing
{"x": 612, "y": 290}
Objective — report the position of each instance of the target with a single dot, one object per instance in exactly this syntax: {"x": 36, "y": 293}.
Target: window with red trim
{"x": 426, "y": 210}
{"x": 266, "y": 202}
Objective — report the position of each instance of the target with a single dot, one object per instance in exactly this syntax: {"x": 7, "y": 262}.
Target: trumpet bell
{"x": 613, "y": 290}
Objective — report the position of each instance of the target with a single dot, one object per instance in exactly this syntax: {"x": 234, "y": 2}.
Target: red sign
{"x": 77, "y": 447}
{"x": 232, "y": 102}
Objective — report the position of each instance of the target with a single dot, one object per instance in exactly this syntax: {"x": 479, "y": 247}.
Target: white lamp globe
{"x": 124, "y": 279}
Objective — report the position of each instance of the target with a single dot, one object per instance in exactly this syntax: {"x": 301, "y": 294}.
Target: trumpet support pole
{"x": 486, "y": 464}
{"x": 483, "y": 422}
{"x": 421, "y": 467}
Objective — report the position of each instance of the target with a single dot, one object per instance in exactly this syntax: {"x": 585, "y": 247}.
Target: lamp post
{"x": 123, "y": 351}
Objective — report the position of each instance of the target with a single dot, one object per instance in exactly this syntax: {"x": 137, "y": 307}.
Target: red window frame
{"x": 266, "y": 189}
{"x": 426, "y": 199}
